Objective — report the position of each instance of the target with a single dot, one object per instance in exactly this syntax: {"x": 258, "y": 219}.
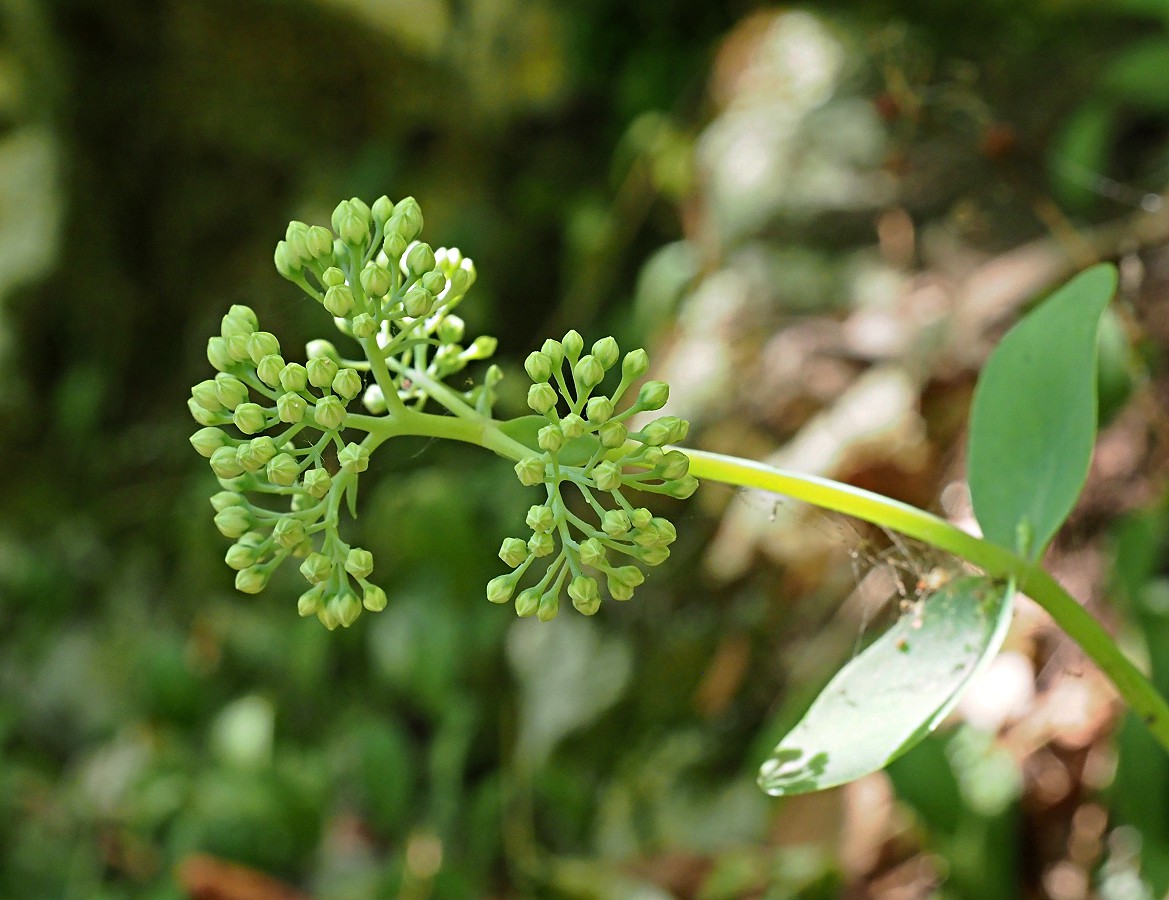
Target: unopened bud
{"x": 527, "y": 602}
{"x": 269, "y": 369}
{"x": 347, "y": 383}
{"x": 316, "y": 568}
{"x": 599, "y": 410}
{"x": 252, "y": 580}
{"x": 592, "y": 553}
{"x": 409, "y": 218}
{"x": 373, "y": 598}
{"x": 420, "y": 260}
{"x": 635, "y": 364}
{"x": 588, "y": 372}
{"x": 674, "y": 465}
{"x": 550, "y": 438}
{"x": 382, "y": 209}
{"x": 320, "y": 348}
{"x": 394, "y": 245}
{"x": 640, "y": 517}
{"x": 230, "y": 391}
{"x": 359, "y": 563}
{"x": 434, "y": 281}
{"x": 217, "y": 354}
{"x": 294, "y": 377}
{"x": 329, "y": 413}
{"x": 205, "y": 393}
{"x": 376, "y": 280}
{"x": 607, "y": 352}
{"x": 540, "y": 519}
{"x": 541, "y": 397}
{"x": 288, "y": 532}
{"x": 538, "y": 366}
{"x": 242, "y": 554}
{"x": 573, "y": 426}
{"x": 225, "y": 463}
{"x": 374, "y": 400}
{"x": 207, "y": 440}
{"x": 682, "y": 488}
{"x": 321, "y": 371}
{"x": 613, "y": 434}
{"x": 233, "y": 522}
{"x": 500, "y": 588}
{"x": 585, "y": 594}
{"x": 291, "y": 408}
{"x": 309, "y": 603}
{"x": 261, "y": 344}
{"x": 541, "y": 544}
{"x": 354, "y": 458}
{"x": 483, "y": 347}
{"x": 317, "y": 482}
{"x": 319, "y": 242}
{"x": 554, "y": 350}
{"x": 529, "y": 470}
{"x": 653, "y": 395}
{"x": 339, "y": 300}
{"x": 417, "y": 302}
{"x": 615, "y": 523}
{"x": 249, "y": 418}
{"x": 348, "y": 607}
{"x": 283, "y": 469}
{"x": 513, "y": 551}
{"x": 223, "y": 499}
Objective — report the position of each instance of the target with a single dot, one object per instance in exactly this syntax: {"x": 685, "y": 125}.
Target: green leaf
{"x": 896, "y": 692}
{"x": 1033, "y": 422}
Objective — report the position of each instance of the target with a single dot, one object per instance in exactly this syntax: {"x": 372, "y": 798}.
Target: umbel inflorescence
{"x": 288, "y": 441}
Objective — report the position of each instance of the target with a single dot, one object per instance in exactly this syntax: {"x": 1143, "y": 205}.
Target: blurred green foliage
{"x": 150, "y": 156}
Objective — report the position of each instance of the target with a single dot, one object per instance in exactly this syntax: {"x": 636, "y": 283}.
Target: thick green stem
{"x": 996, "y": 561}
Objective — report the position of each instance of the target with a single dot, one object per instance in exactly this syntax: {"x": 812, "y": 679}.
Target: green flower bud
{"x": 233, "y": 522}
{"x": 585, "y": 594}
{"x": 641, "y": 517}
{"x": 353, "y": 230}
{"x": 573, "y": 426}
{"x": 286, "y": 261}
{"x": 530, "y": 470}
{"x": 451, "y": 329}
{"x": 527, "y": 602}
{"x": 550, "y": 438}
{"x": 607, "y": 475}
{"x": 243, "y": 453}
{"x": 613, "y": 434}
{"x": 329, "y": 413}
{"x": 592, "y": 553}
{"x": 573, "y": 344}
{"x": 332, "y": 277}
{"x": 373, "y": 598}
{"x": 249, "y": 418}
{"x": 225, "y": 464}
{"x": 207, "y": 440}
{"x": 354, "y": 458}
{"x": 252, "y": 580}
{"x": 635, "y": 364}
{"x": 621, "y": 588}
{"x": 435, "y": 282}
{"x": 653, "y": 395}
{"x": 319, "y": 243}
{"x": 376, "y": 280}
{"x": 239, "y": 321}
{"x": 588, "y": 372}
{"x": 321, "y": 348}
{"x": 481, "y": 348}
{"x": 217, "y": 354}
{"x": 615, "y": 523}
{"x": 682, "y": 488}
{"x": 360, "y": 209}
{"x": 327, "y": 611}
{"x": 283, "y": 469}
{"x": 259, "y": 451}
{"x": 651, "y": 456}
{"x": 599, "y": 410}
{"x": 549, "y": 606}
{"x": 294, "y": 377}
{"x": 541, "y": 545}
{"x": 317, "y": 482}
{"x": 295, "y": 234}
{"x": 321, "y": 371}
{"x": 205, "y": 393}
{"x": 513, "y": 551}
{"x": 461, "y": 279}
{"x": 347, "y": 383}
{"x": 364, "y": 326}
{"x": 359, "y": 563}
{"x": 289, "y": 532}
{"x": 269, "y": 369}
{"x": 540, "y": 519}
{"x": 291, "y": 408}
{"x": 554, "y": 350}
{"x": 382, "y": 209}
{"x": 203, "y": 417}
{"x": 339, "y": 300}
{"x": 538, "y": 366}
{"x": 224, "y": 499}
{"x": 418, "y": 302}
{"x": 374, "y": 400}
{"x": 237, "y": 348}
{"x": 541, "y": 397}
{"x": 309, "y": 603}
{"x": 606, "y": 352}
{"x": 316, "y": 568}
{"x": 501, "y": 587}
{"x": 242, "y": 554}
{"x": 655, "y": 434}
{"x": 261, "y": 344}
{"x": 653, "y": 556}
{"x": 409, "y": 216}
{"x": 348, "y": 607}
{"x": 230, "y": 391}
{"x": 674, "y": 465}
{"x": 394, "y": 245}
{"x": 419, "y": 260}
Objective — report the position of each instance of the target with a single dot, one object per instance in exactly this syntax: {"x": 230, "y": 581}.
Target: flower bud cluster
{"x": 271, "y": 430}
{"x": 586, "y": 442}
{"x": 392, "y": 292}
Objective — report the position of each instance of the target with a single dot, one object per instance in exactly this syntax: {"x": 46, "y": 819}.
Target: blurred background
{"x": 817, "y": 218}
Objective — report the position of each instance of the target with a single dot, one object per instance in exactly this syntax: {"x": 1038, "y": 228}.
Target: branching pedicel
{"x": 302, "y": 447}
